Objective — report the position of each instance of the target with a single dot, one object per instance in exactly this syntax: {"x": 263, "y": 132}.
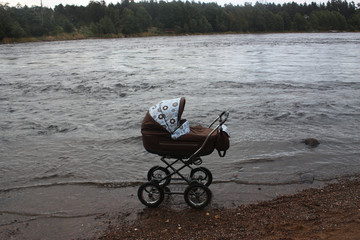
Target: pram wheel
{"x": 197, "y": 195}
{"x": 151, "y": 194}
{"x": 157, "y": 173}
{"x": 201, "y": 175}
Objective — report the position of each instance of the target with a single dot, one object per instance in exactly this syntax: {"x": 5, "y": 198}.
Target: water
{"x": 71, "y": 111}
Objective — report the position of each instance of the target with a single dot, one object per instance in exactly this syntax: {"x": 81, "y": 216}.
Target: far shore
{"x": 78, "y": 36}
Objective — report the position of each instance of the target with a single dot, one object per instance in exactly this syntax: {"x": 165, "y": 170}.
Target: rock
{"x": 307, "y": 178}
{"x": 312, "y": 142}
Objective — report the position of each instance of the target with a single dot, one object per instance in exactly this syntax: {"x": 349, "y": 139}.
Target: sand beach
{"x": 331, "y": 212}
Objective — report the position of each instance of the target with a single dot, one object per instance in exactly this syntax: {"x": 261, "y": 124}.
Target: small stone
{"x": 307, "y": 178}
{"x": 312, "y": 142}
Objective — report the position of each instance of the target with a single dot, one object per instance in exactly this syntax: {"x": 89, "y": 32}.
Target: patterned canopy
{"x": 166, "y": 113}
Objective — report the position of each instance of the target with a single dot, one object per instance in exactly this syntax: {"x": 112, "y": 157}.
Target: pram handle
{"x": 222, "y": 119}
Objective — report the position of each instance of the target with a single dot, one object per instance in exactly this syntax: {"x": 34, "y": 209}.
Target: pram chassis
{"x": 197, "y": 194}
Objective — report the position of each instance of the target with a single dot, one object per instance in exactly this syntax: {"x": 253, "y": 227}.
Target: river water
{"x": 71, "y": 111}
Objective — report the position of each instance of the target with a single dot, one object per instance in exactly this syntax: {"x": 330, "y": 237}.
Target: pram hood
{"x": 168, "y": 114}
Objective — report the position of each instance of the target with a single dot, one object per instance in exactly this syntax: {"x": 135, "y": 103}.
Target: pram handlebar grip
{"x": 223, "y": 114}
{"x": 222, "y": 119}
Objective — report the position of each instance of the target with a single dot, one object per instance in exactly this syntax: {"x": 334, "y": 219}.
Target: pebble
{"x": 307, "y": 178}
{"x": 312, "y": 142}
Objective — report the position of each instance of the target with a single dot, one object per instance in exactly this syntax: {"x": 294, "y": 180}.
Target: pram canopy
{"x": 166, "y": 134}
{"x": 168, "y": 114}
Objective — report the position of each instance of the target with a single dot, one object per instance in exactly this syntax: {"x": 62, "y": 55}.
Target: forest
{"x": 146, "y": 18}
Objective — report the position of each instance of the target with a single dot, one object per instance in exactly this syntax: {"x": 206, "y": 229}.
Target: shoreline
{"x": 329, "y": 212}
{"x": 78, "y": 36}
{"x": 94, "y": 212}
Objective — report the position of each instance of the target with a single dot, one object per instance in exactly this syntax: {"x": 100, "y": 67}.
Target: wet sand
{"x": 297, "y": 211}
{"x": 332, "y": 212}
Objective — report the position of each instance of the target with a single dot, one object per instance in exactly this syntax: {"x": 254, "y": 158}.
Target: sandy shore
{"x": 331, "y": 212}
{"x": 237, "y": 211}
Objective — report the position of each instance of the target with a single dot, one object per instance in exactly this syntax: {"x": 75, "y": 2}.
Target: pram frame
{"x": 175, "y": 171}
{"x": 187, "y": 162}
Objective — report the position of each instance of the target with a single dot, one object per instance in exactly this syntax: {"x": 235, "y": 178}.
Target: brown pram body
{"x": 161, "y": 136}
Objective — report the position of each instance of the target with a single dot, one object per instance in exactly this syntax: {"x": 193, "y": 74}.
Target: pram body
{"x": 157, "y": 140}
{"x": 166, "y": 134}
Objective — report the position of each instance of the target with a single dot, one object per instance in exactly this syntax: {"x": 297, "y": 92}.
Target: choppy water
{"x": 70, "y": 112}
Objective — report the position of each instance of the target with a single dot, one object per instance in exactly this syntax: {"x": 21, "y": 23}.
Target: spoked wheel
{"x": 157, "y": 173}
{"x": 151, "y": 194}
{"x": 201, "y": 175}
{"x": 197, "y": 195}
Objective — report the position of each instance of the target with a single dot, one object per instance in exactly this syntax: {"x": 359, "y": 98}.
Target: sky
{"x": 53, "y": 3}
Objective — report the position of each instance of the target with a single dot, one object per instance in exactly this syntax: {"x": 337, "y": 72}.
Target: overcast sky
{"x": 53, "y": 3}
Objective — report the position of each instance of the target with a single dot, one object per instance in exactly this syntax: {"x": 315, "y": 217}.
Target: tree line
{"x": 99, "y": 19}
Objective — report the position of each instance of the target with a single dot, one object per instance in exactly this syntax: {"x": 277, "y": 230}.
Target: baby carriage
{"x": 164, "y": 133}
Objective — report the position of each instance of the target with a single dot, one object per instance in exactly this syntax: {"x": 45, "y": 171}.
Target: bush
{"x": 68, "y": 27}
